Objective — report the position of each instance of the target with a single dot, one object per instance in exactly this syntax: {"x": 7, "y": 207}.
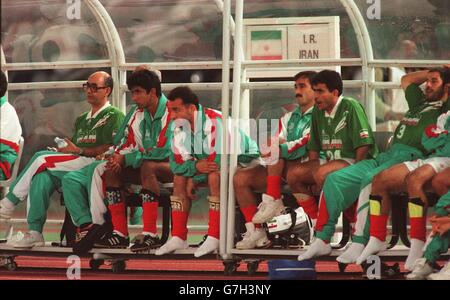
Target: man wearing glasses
{"x": 93, "y": 135}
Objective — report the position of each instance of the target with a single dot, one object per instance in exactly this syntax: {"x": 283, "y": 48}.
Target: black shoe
{"x": 145, "y": 242}
{"x": 87, "y": 237}
{"x": 113, "y": 240}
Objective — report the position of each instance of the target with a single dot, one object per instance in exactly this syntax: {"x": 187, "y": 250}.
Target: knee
{"x": 214, "y": 180}
{"x": 414, "y": 182}
{"x": 293, "y": 176}
{"x": 320, "y": 176}
{"x": 148, "y": 168}
{"x": 68, "y": 180}
{"x": 112, "y": 178}
{"x": 379, "y": 182}
{"x": 240, "y": 179}
{"x": 439, "y": 182}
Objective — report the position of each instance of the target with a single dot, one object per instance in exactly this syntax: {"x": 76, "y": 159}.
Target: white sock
{"x": 415, "y": 252}
{"x": 373, "y": 247}
{"x": 35, "y": 234}
{"x": 351, "y": 253}
{"x": 317, "y": 248}
{"x": 7, "y": 203}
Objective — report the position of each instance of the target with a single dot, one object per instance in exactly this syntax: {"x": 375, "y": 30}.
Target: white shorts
{"x": 350, "y": 161}
{"x": 437, "y": 163}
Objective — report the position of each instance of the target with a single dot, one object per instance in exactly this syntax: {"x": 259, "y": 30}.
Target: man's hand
{"x": 70, "y": 148}
{"x": 204, "y": 166}
{"x": 191, "y": 188}
{"x": 115, "y": 162}
{"x": 440, "y": 225}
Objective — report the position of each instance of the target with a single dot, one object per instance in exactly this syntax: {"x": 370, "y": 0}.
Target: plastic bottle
{"x": 60, "y": 142}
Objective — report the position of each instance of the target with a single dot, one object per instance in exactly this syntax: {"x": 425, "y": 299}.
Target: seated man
{"x": 392, "y": 179}
{"x": 10, "y": 132}
{"x": 292, "y": 137}
{"x": 340, "y": 129}
{"x": 344, "y": 187}
{"x": 440, "y": 240}
{"x": 141, "y": 157}
{"x": 196, "y": 152}
{"x": 42, "y": 175}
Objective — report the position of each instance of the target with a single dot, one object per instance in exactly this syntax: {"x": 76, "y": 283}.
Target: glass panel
{"x": 307, "y": 8}
{"x": 45, "y": 114}
{"x": 211, "y": 99}
{"x": 43, "y": 32}
{"x": 274, "y": 103}
{"x": 390, "y": 106}
{"x": 153, "y": 31}
{"x": 418, "y": 30}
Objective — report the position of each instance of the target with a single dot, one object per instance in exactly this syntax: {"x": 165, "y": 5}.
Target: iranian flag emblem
{"x": 266, "y": 45}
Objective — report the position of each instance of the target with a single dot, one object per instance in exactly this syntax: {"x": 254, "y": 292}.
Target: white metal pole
{"x": 225, "y": 114}
{"x": 3, "y": 65}
{"x": 115, "y": 50}
{"x": 366, "y": 52}
{"x": 238, "y": 57}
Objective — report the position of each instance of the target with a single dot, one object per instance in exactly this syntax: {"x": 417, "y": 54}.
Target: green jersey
{"x": 420, "y": 115}
{"x": 341, "y": 132}
{"x": 98, "y": 129}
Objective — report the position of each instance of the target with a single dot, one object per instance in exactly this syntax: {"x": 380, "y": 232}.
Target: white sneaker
{"x": 253, "y": 238}
{"x": 443, "y": 274}
{"x": 175, "y": 243}
{"x": 209, "y": 245}
{"x": 421, "y": 270}
{"x": 6, "y": 209}
{"x": 30, "y": 239}
{"x": 267, "y": 209}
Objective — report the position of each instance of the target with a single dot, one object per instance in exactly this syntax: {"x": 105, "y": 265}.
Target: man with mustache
{"x": 292, "y": 136}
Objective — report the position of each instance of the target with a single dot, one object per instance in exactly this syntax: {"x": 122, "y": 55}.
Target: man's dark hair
{"x": 443, "y": 73}
{"x": 331, "y": 79}
{"x": 305, "y": 74}
{"x": 109, "y": 82}
{"x": 3, "y": 84}
{"x": 145, "y": 79}
{"x": 185, "y": 94}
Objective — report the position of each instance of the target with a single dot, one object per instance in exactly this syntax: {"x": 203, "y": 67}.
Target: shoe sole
{"x": 110, "y": 247}
{"x": 30, "y": 246}
{"x": 144, "y": 249}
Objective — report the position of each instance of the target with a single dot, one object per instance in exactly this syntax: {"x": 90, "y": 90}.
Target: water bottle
{"x": 60, "y": 142}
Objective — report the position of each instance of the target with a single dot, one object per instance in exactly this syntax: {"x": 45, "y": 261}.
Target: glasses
{"x": 93, "y": 87}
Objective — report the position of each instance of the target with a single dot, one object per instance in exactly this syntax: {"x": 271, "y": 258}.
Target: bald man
{"x": 93, "y": 135}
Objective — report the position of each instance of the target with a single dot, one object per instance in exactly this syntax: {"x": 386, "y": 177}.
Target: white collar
{"x": 90, "y": 116}
{"x": 333, "y": 111}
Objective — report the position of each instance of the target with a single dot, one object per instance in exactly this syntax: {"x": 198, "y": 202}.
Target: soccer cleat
{"x": 87, "y": 236}
{"x": 317, "y": 248}
{"x": 144, "y": 242}
{"x": 209, "y": 245}
{"x": 421, "y": 270}
{"x": 253, "y": 238}
{"x": 31, "y": 239}
{"x": 113, "y": 240}
{"x": 175, "y": 243}
{"x": 267, "y": 209}
{"x": 443, "y": 274}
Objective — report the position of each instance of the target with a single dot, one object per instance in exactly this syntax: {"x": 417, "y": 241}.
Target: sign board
{"x": 290, "y": 38}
